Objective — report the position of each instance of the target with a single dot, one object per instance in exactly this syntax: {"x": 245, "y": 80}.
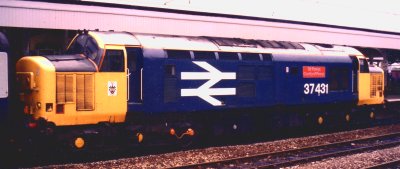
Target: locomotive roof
{"x": 71, "y": 63}
{"x": 311, "y": 59}
{"x": 218, "y": 44}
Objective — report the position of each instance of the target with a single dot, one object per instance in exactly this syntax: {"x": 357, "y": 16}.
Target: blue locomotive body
{"x": 184, "y": 84}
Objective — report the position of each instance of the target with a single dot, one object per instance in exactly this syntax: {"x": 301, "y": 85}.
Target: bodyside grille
{"x": 376, "y": 85}
{"x": 84, "y": 92}
{"x": 65, "y": 88}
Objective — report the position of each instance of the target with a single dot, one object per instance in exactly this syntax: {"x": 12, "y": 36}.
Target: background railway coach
{"x": 394, "y": 78}
{"x": 172, "y": 85}
{"x": 3, "y": 77}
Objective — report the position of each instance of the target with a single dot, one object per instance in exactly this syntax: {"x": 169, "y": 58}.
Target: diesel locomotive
{"x": 144, "y": 87}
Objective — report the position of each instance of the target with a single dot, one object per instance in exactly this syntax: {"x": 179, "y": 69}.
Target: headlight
{"x": 38, "y": 105}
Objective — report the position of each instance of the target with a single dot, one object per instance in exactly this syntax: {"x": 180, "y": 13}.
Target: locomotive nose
{"x": 35, "y": 79}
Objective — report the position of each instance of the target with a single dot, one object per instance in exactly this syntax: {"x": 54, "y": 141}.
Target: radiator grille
{"x": 69, "y": 88}
{"x": 376, "y": 85}
{"x": 60, "y": 89}
{"x": 84, "y": 92}
{"x": 64, "y": 90}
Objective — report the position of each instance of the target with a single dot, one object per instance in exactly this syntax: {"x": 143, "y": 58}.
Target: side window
{"x": 91, "y": 49}
{"x": 113, "y": 61}
{"x": 178, "y": 54}
{"x": 77, "y": 47}
{"x": 267, "y": 57}
{"x": 228, "y": 56}
{"x": 250, "y": 56}
{"x": 170, "y": 71}
{"x": 85, "y": 45}
{"x": 204, "y": 55}
{"x": 364, "y": 68}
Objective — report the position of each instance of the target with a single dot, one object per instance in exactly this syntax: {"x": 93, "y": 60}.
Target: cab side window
{"x": 113, "y": 61}
{"x": 364, "y": 68}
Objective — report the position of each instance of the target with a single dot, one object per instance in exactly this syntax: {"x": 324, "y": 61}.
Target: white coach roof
{"x": 115, "y": 38}
{"x": 29, "y": 14}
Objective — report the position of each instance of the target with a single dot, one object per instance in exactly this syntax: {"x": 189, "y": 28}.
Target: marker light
{"x": 38, "y": 105}
{"x": 172, "y": 131}
{"x": 32, "y": 125}
{"x": 190, "y": 132}
{"x": 139, "y": 137}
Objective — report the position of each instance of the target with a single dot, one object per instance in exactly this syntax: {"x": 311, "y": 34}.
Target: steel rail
{"x": 276, "y": 157}
{"x": 388, "y": 164}
{"x": 330, "y": 155}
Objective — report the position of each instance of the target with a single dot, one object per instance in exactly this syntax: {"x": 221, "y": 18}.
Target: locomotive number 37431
{"x": 319, "y": 88}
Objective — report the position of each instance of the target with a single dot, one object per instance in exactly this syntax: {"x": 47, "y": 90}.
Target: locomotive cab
{"x": 370, "y": 82}
{"x": 86, "y": 86}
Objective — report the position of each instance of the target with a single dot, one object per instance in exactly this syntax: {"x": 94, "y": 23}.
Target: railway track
{"x": 387, "y": 165}
{"x": 306, "y": 154}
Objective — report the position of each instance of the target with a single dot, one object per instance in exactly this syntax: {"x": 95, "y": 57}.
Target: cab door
{"x": 135, "y": 72}
{"x": 364, "y": 82}
{"x": 111, "y": 84}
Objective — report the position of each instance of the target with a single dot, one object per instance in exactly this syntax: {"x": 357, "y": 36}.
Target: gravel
{"x": 361, "y": 160}
{"x": 219, "y": 153}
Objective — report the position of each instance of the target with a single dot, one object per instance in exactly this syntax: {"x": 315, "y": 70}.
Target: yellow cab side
{"x": 97, "y": 96}
{"x": 370, "y": 83}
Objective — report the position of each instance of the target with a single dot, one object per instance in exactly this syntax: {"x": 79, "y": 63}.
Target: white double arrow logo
{"x": 205, "y": 91}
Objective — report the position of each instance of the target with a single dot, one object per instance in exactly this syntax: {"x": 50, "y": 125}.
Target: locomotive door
{"x": 355, "y": 73}
{"x": 364, "y": 81}
{"x": 110, "y": 84}
{"x": 135, "y": 72}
